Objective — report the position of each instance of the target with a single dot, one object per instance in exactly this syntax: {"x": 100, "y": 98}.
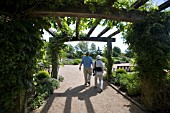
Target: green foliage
{"x": 123, "y": 3}
{"x": 123, "y": 80}
{"x": 43, "y": 89}
{"x": 116, "y": 51}
{"x": 129, "y": 53}
{"x": 61, "y": 78}
{"x": 57, "y": 51}
{"x": 104, "y": 60}
{"x": 93, "y": 50}
{"x": 42, "y": 75}
{"x": 70, "y": 51}
{"x": 71, "y": 61}
{"x": 67, "y": 62}
{"x": 76, "y": 61}
{"x": 130, "y": 83}
{"x": 124, "y": 59}
{"x": 109, "y": 65}
{"x": 81, "y": 49}
{"x": 127, "y": 82}
{"x": 134, "y": 88}
{"x": 116, "y": 76}
{"x": 21, "y": 46}
{"x": 121, "y": 71}
{"x": 152, "y": 50}
{"x": 20, "y": 40}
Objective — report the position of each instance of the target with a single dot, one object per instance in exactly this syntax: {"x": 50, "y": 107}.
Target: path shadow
{"x": 69, "y": 94}
{"x": 82, "y": 92}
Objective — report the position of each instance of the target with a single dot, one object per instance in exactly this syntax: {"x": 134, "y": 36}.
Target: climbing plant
{"x": 56, "y": 51}
{"x": 20, "y": 40}
{"x": 150, "y": 40}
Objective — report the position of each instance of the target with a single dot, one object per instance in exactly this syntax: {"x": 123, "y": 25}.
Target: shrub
{"x": 76, "y": 61}
{"x": 43, "y": 89}
{"x": 133, "y": 88}
{"x": 121, "y": 71}
{"x": 116, "y": 76}
{"x": 115, "y": 79}
{"x": 103, "y": 59}
{"x": 67, "y": 62}
{"x": 125, "y": 59}
{"x": 61, "y": 78}
{"x": 123, "y": 80}
{"x": 42, "y": 75}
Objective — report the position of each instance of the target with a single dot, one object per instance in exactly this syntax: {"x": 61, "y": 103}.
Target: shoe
{"x": 88, "y": 83}
{"x": 100, "y": 90}
{"x": 85, "y": 84}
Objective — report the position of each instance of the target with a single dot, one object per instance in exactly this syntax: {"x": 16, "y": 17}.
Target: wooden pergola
{"x": 82, "y": 11}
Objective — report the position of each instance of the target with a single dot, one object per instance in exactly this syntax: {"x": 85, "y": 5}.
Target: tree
{"x": 129, "y": 53}
{"x": 105, "y": 51}
{"x": 99, "y": 52}
{"x": 70, "y": 51}
{"x": 93, "y": 50}
{"x": 81, "y": 48}
{"x": 116, "y": 51}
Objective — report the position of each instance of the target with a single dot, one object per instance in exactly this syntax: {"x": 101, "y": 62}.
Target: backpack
{"x": 97, "y": 69}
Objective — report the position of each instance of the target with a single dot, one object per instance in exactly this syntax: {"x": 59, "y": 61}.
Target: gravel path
{"x": 74, "y": 97}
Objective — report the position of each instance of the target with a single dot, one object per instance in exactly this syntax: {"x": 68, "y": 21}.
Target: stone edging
{"x": 127, "y": 97}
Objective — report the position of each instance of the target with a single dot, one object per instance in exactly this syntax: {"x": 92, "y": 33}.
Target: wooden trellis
{"x": 83, "y": 11}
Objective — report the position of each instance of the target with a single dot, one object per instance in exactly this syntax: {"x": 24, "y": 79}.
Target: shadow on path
{"x": 82, "y": 92}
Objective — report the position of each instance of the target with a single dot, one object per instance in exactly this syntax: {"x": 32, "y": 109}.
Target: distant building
{"x": 126, "y": 66}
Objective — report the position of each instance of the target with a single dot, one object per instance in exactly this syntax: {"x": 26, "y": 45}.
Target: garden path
{"x": 74, "y": 97}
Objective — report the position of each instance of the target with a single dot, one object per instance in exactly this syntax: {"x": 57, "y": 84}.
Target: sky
{"x": 119, "y": 40}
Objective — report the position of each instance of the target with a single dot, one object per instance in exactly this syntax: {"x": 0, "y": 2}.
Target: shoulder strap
{"x": 95, "y": 64}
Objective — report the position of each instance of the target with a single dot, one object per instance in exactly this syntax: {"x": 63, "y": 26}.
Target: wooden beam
{"x": 109, "y": 58}
{"x": 85, "y": 12}
{"x": 114, "y": 33}
{"x": 58, "y": 22}
{"x": 138, "y": 3}
{"x": 77, "y": 27}
{"x": 92, "y": 29}
{"x": 103, "y": 32}
{"x": 99, "y": 39}
{"x": 164, "y": 5}
{"x": 60, "y": 25}
{"x": 50, "y": 32}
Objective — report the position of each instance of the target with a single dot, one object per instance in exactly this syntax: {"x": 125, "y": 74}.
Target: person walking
{"x": 87, "y": 64}
{"x": 98, "y": 69}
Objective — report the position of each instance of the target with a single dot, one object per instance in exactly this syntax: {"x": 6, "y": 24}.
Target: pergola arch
{"x": 20, "y": 10}
{"x": 133, "y": 15}
{"x": 101, "y": 12}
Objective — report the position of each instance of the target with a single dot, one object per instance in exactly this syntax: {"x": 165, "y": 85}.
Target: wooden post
{"x": 109, "y": 59}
